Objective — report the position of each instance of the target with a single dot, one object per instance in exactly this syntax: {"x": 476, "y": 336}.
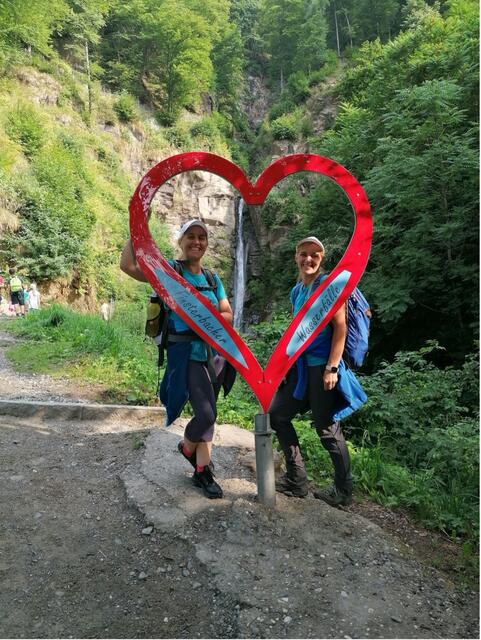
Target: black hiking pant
{"x": 203, "y": 395}
{"x": 322, "y": 403}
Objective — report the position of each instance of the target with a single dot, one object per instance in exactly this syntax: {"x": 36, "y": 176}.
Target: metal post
{"x": 266, "y": 488}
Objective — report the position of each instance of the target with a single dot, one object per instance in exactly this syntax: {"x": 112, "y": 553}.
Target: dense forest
{"x": 403, "y": 75}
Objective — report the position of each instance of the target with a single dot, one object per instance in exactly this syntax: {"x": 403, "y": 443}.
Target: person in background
{"x": 4, "y": 310}
{"x": 105, "y": 311}
{"x": 33, "y": 297}
{"x": 319, "y": 381}
{"x": 16, "y": 292}
{"x": 191, "y": 374}
{"x": 25, "y": 297}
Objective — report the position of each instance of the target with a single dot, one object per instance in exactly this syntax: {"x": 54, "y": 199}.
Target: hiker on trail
{"x": 321, "y": 382}
{"x": 33, "y": 297}
{"x": 193, "y": 371}
{"x": 105, "y": 311}
{"x": 16, "y": 292}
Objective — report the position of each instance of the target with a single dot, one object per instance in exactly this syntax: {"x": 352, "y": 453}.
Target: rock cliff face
{"x": 255, "y": 101}
{"x": 203, "y": 195}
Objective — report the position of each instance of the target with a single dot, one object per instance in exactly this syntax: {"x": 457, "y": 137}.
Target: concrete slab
{"x": 78, "y": 411}
{"x": 161, "y": 486}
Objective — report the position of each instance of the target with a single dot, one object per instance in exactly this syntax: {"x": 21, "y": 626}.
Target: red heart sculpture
{"x": 200, "y": 314}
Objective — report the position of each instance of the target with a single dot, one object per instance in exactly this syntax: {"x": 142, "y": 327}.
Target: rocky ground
{"x": 102, "y": 535}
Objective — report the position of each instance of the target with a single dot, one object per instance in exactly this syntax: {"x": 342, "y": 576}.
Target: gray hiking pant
{"x": 322, "y": 403}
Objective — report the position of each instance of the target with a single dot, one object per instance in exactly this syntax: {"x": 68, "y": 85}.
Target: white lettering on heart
{"x": 317, "y": 312}
{"x": 200, "y": 314}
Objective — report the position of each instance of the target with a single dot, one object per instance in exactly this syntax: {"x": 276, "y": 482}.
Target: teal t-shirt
{"x": 326, "y": 334}
{"x": 198, "y": 350}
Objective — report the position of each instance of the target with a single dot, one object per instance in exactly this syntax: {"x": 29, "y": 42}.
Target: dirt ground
{"x": 103, "y": 536}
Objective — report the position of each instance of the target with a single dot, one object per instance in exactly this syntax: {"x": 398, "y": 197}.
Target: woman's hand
{"x": 330, "y": 380}
{"x": 225, "y": 310}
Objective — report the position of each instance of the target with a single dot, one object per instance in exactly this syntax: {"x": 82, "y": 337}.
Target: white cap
{"x": 312, "y": 239}
{"x": 192, "y": 223}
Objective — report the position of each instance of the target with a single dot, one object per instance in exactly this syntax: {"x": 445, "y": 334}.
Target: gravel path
{"x": 32, "y": 386}
{"x": 102, "y": 535}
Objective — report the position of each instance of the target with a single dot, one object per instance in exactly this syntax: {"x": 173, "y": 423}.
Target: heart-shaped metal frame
{"x": 200, "y": 314}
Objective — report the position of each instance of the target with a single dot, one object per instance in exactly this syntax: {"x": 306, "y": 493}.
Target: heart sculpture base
{"x": 200, "y": 314}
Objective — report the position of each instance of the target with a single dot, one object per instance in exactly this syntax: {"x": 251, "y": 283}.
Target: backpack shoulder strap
{"x": 179, "y": 267}
{"x": 207, "y": 273}
{"x": 210, "y": 277}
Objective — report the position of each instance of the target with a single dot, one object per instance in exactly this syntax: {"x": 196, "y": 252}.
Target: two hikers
{"x": 319, "y": 380}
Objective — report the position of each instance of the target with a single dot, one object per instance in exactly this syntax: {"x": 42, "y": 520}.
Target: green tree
{"x": 80, "y": 31}
{"x": 160, "y": 50}
{"x": 294, "y": 34}
{"x": 408, "y": 132}
{"x": 426, "y": 256}
{"x": 228, "y": 61}
{"x": 31, "y": 24}
{"x": 245, "y": 14}
{"x": 352, "y": 22}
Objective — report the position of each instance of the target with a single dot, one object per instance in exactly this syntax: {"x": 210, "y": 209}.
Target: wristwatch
{"x": 331, "y": 369}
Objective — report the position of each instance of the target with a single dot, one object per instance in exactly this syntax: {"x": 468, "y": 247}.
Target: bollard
{"x": 266, "y": 488}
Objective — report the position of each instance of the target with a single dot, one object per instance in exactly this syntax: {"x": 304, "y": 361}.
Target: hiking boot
{"x": 205, "y": 480}
{"x": 334, "y": 496}
{"x": 292, "y": 487}
{"x": 193, "y": 458}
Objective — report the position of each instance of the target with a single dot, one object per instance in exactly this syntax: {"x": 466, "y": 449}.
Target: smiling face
{"x": 193, "y": 243}
{"x": 308, "y": 259}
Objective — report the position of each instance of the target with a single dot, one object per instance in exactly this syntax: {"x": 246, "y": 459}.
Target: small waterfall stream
{"x": 239, "y": 268}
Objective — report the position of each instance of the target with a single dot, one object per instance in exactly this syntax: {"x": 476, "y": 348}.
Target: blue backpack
{"x": 358, "y": 318}
{"x": 358, "y": 323}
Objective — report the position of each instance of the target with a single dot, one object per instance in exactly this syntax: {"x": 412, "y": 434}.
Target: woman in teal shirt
{"x": 196, "y": 446}
{"x": 320, "y": 392}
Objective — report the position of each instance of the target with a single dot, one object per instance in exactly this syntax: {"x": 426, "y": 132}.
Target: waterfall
{"x": 239, "y": 268}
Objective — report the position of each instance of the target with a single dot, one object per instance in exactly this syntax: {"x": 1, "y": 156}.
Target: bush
{"x": 24, "y": 126}
{"x": 56, "y": 218}
{"x": 165, "y": 119}
{"x": 178, "y": 137}
{"x": 240, "y": 155}
{"x": 285, "y": 128}
{"x": 307, "y": 127}
{"x": 298, "y": 87}
{"x": 425, "y": 421}
{"x": 71, "y": 143}
{"x": 205, "y": 128}
{"x": 330, "y": 64}
{"x": 210, "y": 133}
{"x": 125, "y": 107}
{"x": 410, "y": 397}
{"x": 281, "y": 107}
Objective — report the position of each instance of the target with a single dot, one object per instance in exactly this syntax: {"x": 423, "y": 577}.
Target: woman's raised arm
{"x": 128, "y": 263}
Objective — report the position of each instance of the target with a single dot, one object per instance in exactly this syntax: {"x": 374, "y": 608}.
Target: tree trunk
{"x": 337, "y": 31}
{"x": 89, "y": 84}
{"x": 348, "y": 27}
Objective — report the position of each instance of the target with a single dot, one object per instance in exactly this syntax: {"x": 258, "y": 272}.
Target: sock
{"x": 199, "y": 468}
{"x": 186, "y": 452}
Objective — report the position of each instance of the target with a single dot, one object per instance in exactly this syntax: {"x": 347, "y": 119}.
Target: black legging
{"x": 203, "y": 398}
{"x": 322, "y": 404}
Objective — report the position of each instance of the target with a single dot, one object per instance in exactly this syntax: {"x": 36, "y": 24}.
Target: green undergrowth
{"x": 413, "y": 445}
{"x": 113, "y": 355}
